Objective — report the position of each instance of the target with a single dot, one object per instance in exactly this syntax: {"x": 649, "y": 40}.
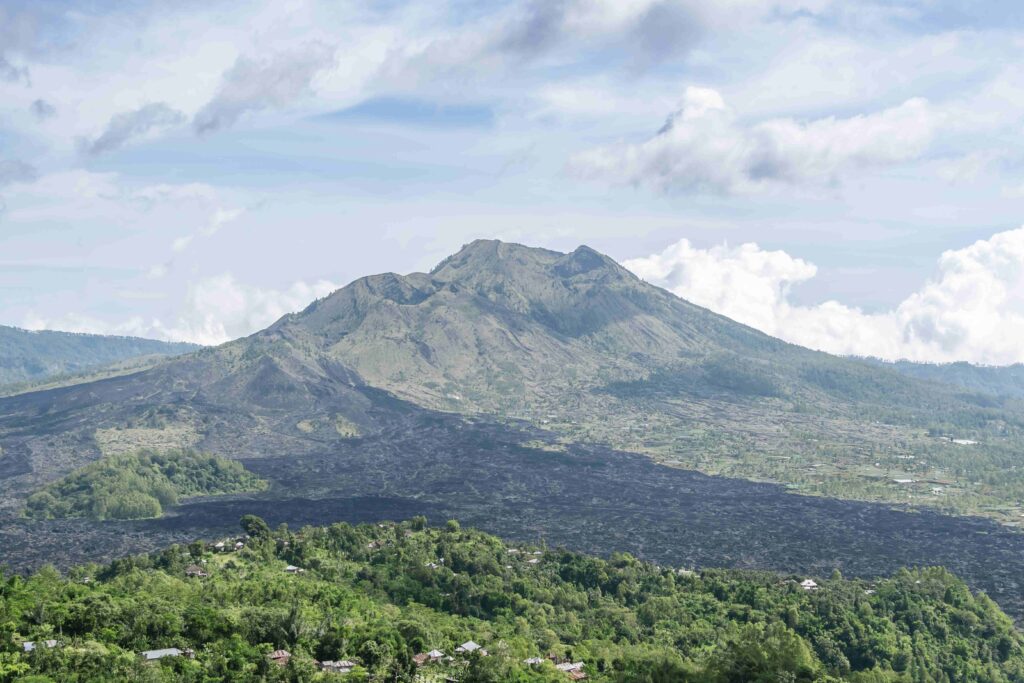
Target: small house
{"x": 30, "y": 645}
{"x": 292, "y": 569}
{"x": 280, "y": 657}
{"x": 195, "y": 571}
{"x": 343, "y": 666}
{"x": 470, "y": 647}
{"x": 809, "y": 585}
{"x": 154, "y": 655}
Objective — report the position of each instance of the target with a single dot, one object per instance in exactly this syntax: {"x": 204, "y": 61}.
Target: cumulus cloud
{"x": 971, "y": 309}
{"x": 127, "y": 126}
{"x": 258, "y": 83}
{"x": 220, "y": 308}
{"x": 16, "y": 171}
{"x": 705, "y": 147}
{"x": 215, "y": 310}
{"x": 42, "y": 110}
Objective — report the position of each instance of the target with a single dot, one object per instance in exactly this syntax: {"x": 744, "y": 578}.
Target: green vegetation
{"x": 999, "y": 381}
{"x": 139, "y": 485}
{"x": 27, "y": 357}
{"x": 379, "y": 594}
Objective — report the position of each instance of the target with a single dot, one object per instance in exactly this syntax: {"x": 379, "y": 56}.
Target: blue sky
{"x": 849, "y": 176}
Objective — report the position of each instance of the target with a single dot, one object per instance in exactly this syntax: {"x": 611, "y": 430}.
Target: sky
{"x": 846, "y": 176}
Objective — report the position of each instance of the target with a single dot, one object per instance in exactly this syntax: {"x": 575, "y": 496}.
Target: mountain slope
{"x": 515, "y": 388}
{"x": 27, "y": 356}
{"x": 576, "y": 342}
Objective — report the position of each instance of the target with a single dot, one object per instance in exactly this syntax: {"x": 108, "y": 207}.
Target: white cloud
{"x": 705, "y": 147}
{"x": 215, "y": 310}
{"x": 217, "y": 220}
{"x": 129, "y": 125}
{"x": 219, "y": 308}
{"x": 181, "y": 243}
{"x": 971, "y": 309}
{"x": 258, "y": 83}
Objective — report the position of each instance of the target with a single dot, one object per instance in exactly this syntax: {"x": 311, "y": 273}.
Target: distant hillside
{"x": 373, "y": 602}
{"x": 1005, "y": 381}
{"x": 27, "y": 356}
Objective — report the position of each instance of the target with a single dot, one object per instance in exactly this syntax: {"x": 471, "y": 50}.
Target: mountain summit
{"x": 498, "y": 324}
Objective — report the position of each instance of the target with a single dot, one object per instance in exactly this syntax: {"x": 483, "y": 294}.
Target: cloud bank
{"x": 705, "y": 147}
{"x": 971, "y": 309}
{"x": 215, "y": 310}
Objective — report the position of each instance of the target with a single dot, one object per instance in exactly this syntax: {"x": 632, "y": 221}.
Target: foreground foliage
{"x": 380, "y": 594}
{"x": 139, "y": 485}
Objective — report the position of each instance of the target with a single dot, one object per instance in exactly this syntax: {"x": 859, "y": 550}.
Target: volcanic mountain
{"x": 532, "y": 392}
{"x": 573, "y": 342}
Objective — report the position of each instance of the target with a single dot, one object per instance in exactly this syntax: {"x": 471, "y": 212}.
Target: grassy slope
{"x": 380, "y": 593}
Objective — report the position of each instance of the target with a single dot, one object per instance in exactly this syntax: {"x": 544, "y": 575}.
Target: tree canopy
{"x": 380, "y": 594}
{"x": 139, "y": 485}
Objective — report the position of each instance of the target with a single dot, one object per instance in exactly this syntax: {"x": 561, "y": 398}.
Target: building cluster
{"x": 231, "y": 545}
{"x": 573, "y": 670}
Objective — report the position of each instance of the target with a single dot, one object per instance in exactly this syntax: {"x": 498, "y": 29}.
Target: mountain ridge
{"x": 34, "y": 355}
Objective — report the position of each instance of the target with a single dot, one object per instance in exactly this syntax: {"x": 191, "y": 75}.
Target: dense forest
{"x": 139, "y": 485}
{"x": 373, "y": 600}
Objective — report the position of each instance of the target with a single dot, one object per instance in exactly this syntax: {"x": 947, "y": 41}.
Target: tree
{"x": 255, "y": 527}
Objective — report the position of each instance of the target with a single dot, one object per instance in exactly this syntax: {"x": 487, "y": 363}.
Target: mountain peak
{"x": 490, "y": 255}
{"x": 485, "y": 259}
{"x": 585, "y": 260}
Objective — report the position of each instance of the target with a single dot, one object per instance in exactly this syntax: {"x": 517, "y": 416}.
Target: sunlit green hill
{"x": 292, "y": 606}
